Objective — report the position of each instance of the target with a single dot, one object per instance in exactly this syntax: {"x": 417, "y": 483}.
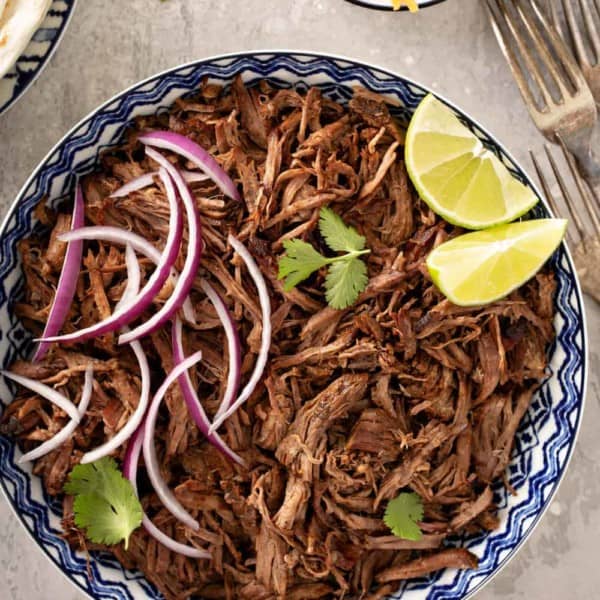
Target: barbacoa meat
{"x": 401, "y": 392}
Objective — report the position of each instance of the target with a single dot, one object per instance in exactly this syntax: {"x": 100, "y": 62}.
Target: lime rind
{"x": 441, "y": 174}
{"x": 484, "y": 266}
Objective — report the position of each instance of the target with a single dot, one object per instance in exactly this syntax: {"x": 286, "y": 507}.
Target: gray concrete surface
{"x": 114, "y": 43}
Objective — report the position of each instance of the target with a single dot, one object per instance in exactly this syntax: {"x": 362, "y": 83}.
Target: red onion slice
{"x": 192, "y": 259}
{"x": 134, "y": 278}
{"x": 180, "y": 144}
{"x": 158, "y": 483}
{"x": 147, "y": 179}
{"x": 67, "y": 282}
{"x": 233, "y": 348}
{"x": 47, "y": 392}
{"x": 115, "y": 235}
{"x": 128, "y": 312}
{"x": 136, "y": 418}
{"x": 130, "y": 467}
{"x": 265, "y": 342}
{"x": 67, "y": 431}
{"x": 191, "y": 397}
{"x": 135, "y": 421}
{"x": 137, "y": 183}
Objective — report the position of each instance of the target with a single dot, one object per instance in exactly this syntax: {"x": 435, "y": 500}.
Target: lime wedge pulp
{"x": 483, "y": 266}
{"x": 456, "y": 175}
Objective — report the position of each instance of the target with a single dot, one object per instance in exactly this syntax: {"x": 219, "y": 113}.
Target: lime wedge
{"x": 459, "y": 178}
{"x": 483, "y": 266}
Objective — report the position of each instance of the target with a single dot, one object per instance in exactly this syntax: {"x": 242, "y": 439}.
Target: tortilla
{"x": 19, "y": 20}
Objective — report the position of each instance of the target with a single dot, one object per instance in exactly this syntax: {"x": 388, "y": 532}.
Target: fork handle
{"x": 589, "y": 168}
{"x": 580, "y": 146}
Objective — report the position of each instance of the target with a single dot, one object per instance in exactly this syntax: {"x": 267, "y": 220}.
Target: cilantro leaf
{"x": 106, "y": 504}
{"x": 339, "y": 236}
{"x": 347, "y": 274}
{"x": 300, "y": 262}
{"x": 402, "y": 514}
{"x": 345, "y": 281}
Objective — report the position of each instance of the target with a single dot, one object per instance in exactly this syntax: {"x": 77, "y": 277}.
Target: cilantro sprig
{"x": 403, "y": 514}
{"x": 347, "y": 274}
{"x": 106, "y": 505}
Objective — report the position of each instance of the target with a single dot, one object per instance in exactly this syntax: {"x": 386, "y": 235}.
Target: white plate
{"x": 546, "y": 436}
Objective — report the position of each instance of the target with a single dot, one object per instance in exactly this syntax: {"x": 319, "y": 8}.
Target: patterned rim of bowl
{"x": 547, "y": 435}
{"x": 38, "y": 53}
{"x": 387, "y": 4}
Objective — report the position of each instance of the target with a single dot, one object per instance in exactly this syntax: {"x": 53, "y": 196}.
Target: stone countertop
{"x": 112, "y": 44}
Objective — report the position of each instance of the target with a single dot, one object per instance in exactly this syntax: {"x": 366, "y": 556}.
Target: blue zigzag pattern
{"x": 32, "y": 62}
{"x": 547, "y": 434}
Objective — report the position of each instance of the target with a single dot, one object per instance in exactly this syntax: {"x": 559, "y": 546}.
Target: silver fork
{"x": 585, "y": 36}
{"x": 522, "y": 36}
{"x": 584, "y": 240}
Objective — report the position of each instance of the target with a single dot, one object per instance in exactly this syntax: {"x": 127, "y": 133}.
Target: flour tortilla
{"x": 19, "y": 20}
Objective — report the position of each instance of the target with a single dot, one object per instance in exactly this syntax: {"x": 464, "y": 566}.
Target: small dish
{"x": 387, "y": 4}
{"x": 40, "y": 49}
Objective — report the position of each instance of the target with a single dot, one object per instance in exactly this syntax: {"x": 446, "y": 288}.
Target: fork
{"x": 586, "y": 244}
{"x": 588, "y": 56}
{"x": 572, "y": 116}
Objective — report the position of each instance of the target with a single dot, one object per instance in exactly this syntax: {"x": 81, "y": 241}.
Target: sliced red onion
{"x": 116, "y": 235}
{"x": 135, "y": 421}
{"x": 158, "y": 483}
{"x": 130, "y": 311}
{"x": 130, "y": 467}
{"x": 47, "y": 392}
{"x": 137, "y": 183}
{"x": 67, "y": 431}
{"x": 134, "y": 278}
{"x": 136, "y": 418}
{"x": 67, "y": 282}
{"x": 180, "y": 144}
{"x": 192, "y": 259}
{"x": 233, "y": 347}
{"x": 191, "y": 397}
{"x": 147, "y": 179}
{"x": 265, "y": 342}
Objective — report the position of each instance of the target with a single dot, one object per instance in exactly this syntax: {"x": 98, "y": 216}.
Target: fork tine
{"x": 560, "y": 50}
{"x": 566, "y": 195}
{"x": 539, "y": 45}
{"x": 507, "y": 50}
{"x": 554, "y": 18}
{"x": 544, "y": 182}
{"x": 528, "y": 58}
{"x": 592, "y": 30}
{"x": 575, "y": 32}
{"x": 546, "y": 189}
{"x": 565, "y": 56}
{"x": 581, "y": 187}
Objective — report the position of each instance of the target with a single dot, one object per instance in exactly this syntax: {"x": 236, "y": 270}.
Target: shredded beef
{"x": 401, "y": 392}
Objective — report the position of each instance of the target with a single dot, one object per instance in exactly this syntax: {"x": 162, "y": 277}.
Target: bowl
{"x": 387, "y": 4}
{"x": 547, "y": 434}
{"x": 40, "y": 49}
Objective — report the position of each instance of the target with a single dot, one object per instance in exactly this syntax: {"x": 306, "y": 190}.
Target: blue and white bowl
{"x": 387, "y": 4}
{"x": 37, "y": 54}
{"x": 545, "y": 439}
